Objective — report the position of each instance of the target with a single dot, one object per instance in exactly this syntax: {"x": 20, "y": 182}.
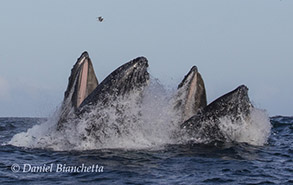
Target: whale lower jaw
{"x": 190, "y": 97}
{"x": 82, "y": 81}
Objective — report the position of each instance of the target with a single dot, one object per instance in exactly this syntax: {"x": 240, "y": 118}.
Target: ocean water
{"x": 138, "y": 140}
{"x": 242, "y": 163}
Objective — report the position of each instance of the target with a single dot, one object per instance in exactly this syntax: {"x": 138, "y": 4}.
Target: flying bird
{"x": 100, "y": 18}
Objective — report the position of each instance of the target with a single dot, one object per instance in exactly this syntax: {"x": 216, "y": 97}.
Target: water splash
{"x": 145, "y": 120}
{"x": 255, "y": 130}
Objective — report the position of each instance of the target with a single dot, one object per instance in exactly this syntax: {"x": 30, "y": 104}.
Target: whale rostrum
{"x": 131, "y": 76}
{"x": 232, "y": 106}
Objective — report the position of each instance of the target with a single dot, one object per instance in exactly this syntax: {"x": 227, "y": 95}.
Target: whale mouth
{"x": 86, "y": 80}
{"x": 190, "y": 97}
{"x": 81, "y": 83}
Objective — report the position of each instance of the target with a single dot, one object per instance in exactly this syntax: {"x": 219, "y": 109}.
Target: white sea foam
{"x": 255, "y": 130}
{"x": 133, "y": 123}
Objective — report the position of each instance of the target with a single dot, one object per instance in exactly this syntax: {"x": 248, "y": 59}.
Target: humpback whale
{"x": 190, "y": 97}
{"x": 85, "y": 99}
{"x": 234, "y": 106}
{"x": 83, "y": 93}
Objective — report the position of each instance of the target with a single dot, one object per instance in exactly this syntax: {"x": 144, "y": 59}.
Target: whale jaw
{"x": 190, "y": 95}
{"x": 82, "y": 81}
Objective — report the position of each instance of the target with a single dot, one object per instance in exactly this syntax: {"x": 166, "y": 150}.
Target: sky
{"x": 231, "y": 42}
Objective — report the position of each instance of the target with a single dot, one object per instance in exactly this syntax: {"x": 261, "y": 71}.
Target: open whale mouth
{"x": 82, "y": 81}
{"x": 190, "y": 97}
{"x": 85, "y": 85}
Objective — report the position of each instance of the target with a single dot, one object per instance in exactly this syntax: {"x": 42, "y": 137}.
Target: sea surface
{"x": 167, "y": 164}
